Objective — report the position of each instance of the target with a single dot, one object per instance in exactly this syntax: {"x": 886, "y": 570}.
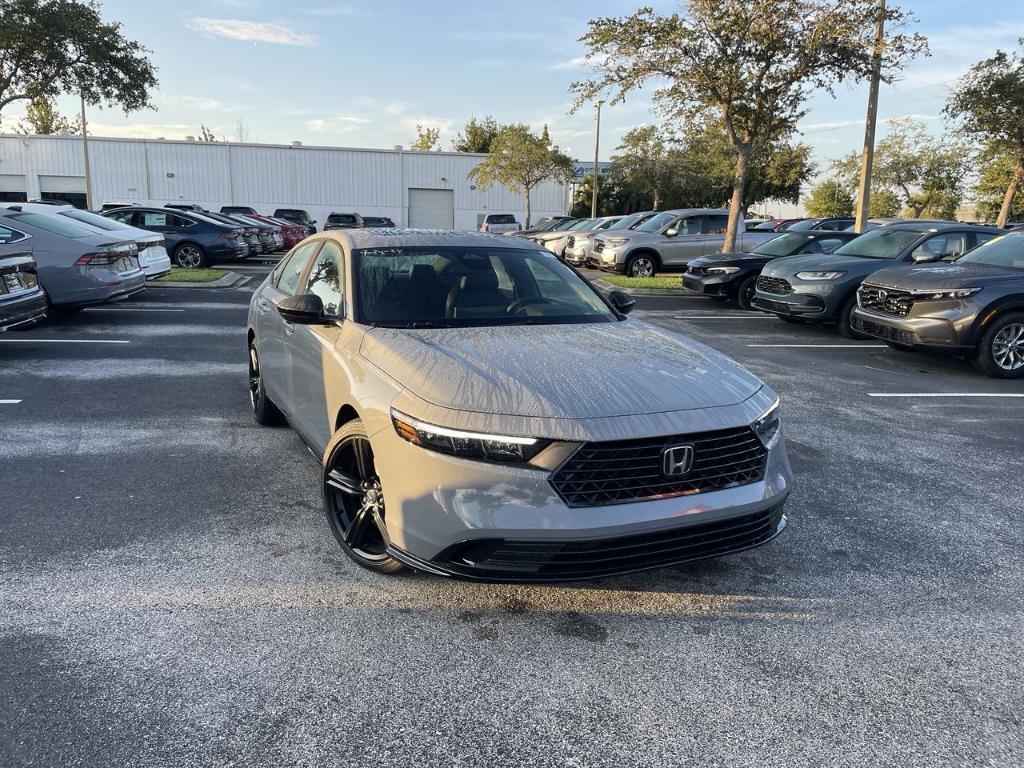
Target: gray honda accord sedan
{"x": 480, "y": 411}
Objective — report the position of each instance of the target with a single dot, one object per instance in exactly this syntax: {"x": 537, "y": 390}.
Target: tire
{"x": 791, "y": 319}
{"x": 354, "y": 500}
{"x": 1000, "y": 352}
{"x": 189, "y": 256}
{"x": 263, "y": 408}
{"x": 845, "y": 329}
{"x": 745, "y": 293}
{"x": 641, "y": 265}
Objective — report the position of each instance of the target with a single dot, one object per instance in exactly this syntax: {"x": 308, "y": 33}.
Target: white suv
{"x": 497, "y": 223}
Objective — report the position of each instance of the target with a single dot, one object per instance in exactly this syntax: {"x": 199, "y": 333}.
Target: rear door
{"x": 713, "y": 233}
{"x": 309, "y": 348}
{"x": 272, "y": 330}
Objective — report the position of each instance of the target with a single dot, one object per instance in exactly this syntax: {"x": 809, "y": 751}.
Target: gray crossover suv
{"x": 482, "y": 412}
{"x": 974, "y": 307}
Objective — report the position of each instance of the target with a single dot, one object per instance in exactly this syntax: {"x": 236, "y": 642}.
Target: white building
{"x": 418, "y": 189}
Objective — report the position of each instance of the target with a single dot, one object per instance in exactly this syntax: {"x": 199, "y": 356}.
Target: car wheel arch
{"x": 994, "y": 310}
{"x": 346, "y": 414}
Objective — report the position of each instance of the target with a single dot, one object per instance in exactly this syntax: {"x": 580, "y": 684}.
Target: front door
{"x": 687, "y": 244}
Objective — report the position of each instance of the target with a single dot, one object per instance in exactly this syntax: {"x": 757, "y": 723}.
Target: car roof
{"x": 924, "y": 226}
{"x": 391, "y": 237}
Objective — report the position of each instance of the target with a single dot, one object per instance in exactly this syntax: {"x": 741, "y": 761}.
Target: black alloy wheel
{"x": 354, "y": 500}
{"x": 745, "y": 293}
{"x": 263, "y": 408}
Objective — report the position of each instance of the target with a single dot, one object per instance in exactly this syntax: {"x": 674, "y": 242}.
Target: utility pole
{"x": 85, "y": 150}
{"x": 597, "y": 148}
{"x": 868, "y": 156}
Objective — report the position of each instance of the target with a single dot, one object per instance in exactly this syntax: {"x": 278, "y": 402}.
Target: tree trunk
{"x": 1011, "y": 192}
{"x": 526, "y": 224}
{"x": 736, "y": 203}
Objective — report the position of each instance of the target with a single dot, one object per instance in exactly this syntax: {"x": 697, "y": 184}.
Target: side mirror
{"x": 671, "y": 232}
{"x": 312, "y": 221}
{"x": 304, "y": 309}
{"x": 924, "y": 257}
{"x": 622, "y": 301}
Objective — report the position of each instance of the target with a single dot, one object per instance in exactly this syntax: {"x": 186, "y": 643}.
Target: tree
{"x": 205, "y": 134}
{"x": 750, "y": 63}
{"x": 998, "y": 170}
{"x": 520, "y": 161}
{"x": 50, "y": 47}
{"x": 477, "y": 135}
{"x": 883, "y": 204}
{"x": 988, "y": 102}
{"x": 427, "y": 139}
{"x": 923, "y": 171}
{"x": 41, "y": 117}
{"x": 642, "y": 162}
{"x": 829, "y": 198}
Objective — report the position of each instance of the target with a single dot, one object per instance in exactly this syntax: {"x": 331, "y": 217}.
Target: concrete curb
{"x": 230, "y": 280}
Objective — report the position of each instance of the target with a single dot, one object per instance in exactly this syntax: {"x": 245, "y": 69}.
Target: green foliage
{"x": 988, "y": 104}
{"x": 924, "y": 172}
{"x": 427, "y": 139}
{"x": 477, "y": 135}
{"x": 997, "y": 171}
{"x": 830, "y": 198}
{"x": 658, "y": 281}
{"x": 42, "y": 118}
{"x": 520, "y": 161}
{"x": 50, "y": 47}
{"x": 750, "y": 64}
{"x": 884, "y": 204}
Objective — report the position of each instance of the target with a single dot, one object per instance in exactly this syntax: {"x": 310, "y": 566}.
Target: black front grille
{"x": 886, "y": 301}
{"x": 570, "y": 242}
{"x": 775, "y": 285}
{"x": 622, "y": 471}
{"x": 509, "y": 560}
{"x": 598, "y": 246}
{"x": 884, "y": 332}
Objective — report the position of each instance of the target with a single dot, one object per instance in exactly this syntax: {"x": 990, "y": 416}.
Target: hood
{"x": 576, "y": 371}
{"x": 945, "y": 276}
{"x": 717, "y": 259}
{"x": 817, "y": 262}
{"x": 543, "y": 237}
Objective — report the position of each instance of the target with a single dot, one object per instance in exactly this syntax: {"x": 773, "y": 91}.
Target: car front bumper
{"x": 710, "y": 285}
{"x": 930, "y": 332}
{"x": 503, "y": 522}
{"x": 813, "y": 300}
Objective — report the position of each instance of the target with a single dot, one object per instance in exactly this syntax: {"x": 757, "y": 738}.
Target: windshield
{"x": 883, "y": 243}
{"x": 803, "y": 225}
{"x": 583, "y": 224}
{"x": 783, "y": 245}
{"x": 52, "y": 224}
{"x": 425, "y": 287}
{"x": 657, "y": 223}
{"x": 95, "y": 220}
{"x": 627, "y": 222}
{"x": 1004, "y": 251}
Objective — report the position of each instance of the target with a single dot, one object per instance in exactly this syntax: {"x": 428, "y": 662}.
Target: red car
{"x": 293, "y": 234}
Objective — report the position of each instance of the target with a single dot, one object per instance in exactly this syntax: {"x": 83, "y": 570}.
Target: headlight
{"x": 959, "y": 293}
{"x": 721, "y": 270}
{"x": 615, "y": 242}
{"x": 819, "y": 275}
{"x": 467, "y": 445}
{"x": 768, "y": 426}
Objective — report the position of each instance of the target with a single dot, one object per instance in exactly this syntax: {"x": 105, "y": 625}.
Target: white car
{"x": 499, "y": 223}
{"x": 153, "y": 258}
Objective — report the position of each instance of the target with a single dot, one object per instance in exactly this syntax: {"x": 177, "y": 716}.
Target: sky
{"x": 364, "y": 74}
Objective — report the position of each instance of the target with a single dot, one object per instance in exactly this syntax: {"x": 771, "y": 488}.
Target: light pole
{"x": 85, "y": 151}
{"x": 597, "y": 148}
{"x": 868, "y": 156}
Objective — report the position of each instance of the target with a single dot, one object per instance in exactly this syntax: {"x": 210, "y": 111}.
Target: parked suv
{"x": 823, "y": 287}
{"x": 192, "y": 239}
{"x": 297, "y": 216}
{"x": 974, "y": 306}
{"x": 344, "y": 221}
{"x": 670, "y": 240}
{"x": 499, "y": 223}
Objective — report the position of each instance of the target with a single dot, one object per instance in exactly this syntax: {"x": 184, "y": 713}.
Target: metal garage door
{"x": 62, "y": 184}
{"x": 432, "y": 208}
{"x": 12, "y": 188}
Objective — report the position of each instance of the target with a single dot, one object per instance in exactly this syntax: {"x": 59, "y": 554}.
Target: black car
{"x": 192, "y": 239}
{"x": 243, "y": 209}
{"x": 344, "y": 221}
{"x": 974, "y": 307}
{"x": 733, "y": 276}
{"x": 297, "y": 216}
{"x": 378, "y": 221}
{"x": 830, "y": 223}
{"x": 260, "y": 236}
{"x": 22, "y": 300}
{"x": 823, "y": 287}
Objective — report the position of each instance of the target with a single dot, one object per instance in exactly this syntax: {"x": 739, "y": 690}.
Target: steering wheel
{"x": 519, "y": 304}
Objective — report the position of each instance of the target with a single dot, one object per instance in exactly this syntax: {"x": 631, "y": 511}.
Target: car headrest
{"x": 479, "y": 281}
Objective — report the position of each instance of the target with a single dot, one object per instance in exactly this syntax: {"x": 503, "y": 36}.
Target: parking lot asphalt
{"x": 170, "y": 594}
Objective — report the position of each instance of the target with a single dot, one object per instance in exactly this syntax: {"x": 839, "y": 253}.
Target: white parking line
{"x": 945, "y": 394}
{"x": 64, "y": 341}
{"x": 9, "y": 402}
{"x": 820, "y": 346}
{"x": 737, "y": 316}
{"x": 130, "y": 309}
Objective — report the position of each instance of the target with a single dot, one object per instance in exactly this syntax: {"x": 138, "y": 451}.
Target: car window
{"x": 326, "y": 278}
{"x": 1001, "y": 251}
{"x": 125, "y": 217}
{"x": 715, "y": 225}
{"x": 689, "y": 225}
{"x": 8, "y": 235}
{"x": 155, "y": 218}
{"x": 829, "y": 244}
{"x": 946, "y": 245}
{"x": 469, "y": 286}
{"x": 288, "y": 278}
{"x": 983, "y": 237}
{"x": 341, "y": 218}
{"x": 500, "y": 218}
{"x": 53, "y": 224}
{"x": 881, "y": 243}
{"x": 93, "y": 219}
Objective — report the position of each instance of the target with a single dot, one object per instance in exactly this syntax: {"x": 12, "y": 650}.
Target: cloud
{"x": 443, "y": 124}
{"x": 580, "y": 62}
{"x": 126, "y": 130}
{"x": 337, "y": 10}
{"x": 254, "y": 31}
{"x": 336, "y": 124}
{"x": 203, "y": 104}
